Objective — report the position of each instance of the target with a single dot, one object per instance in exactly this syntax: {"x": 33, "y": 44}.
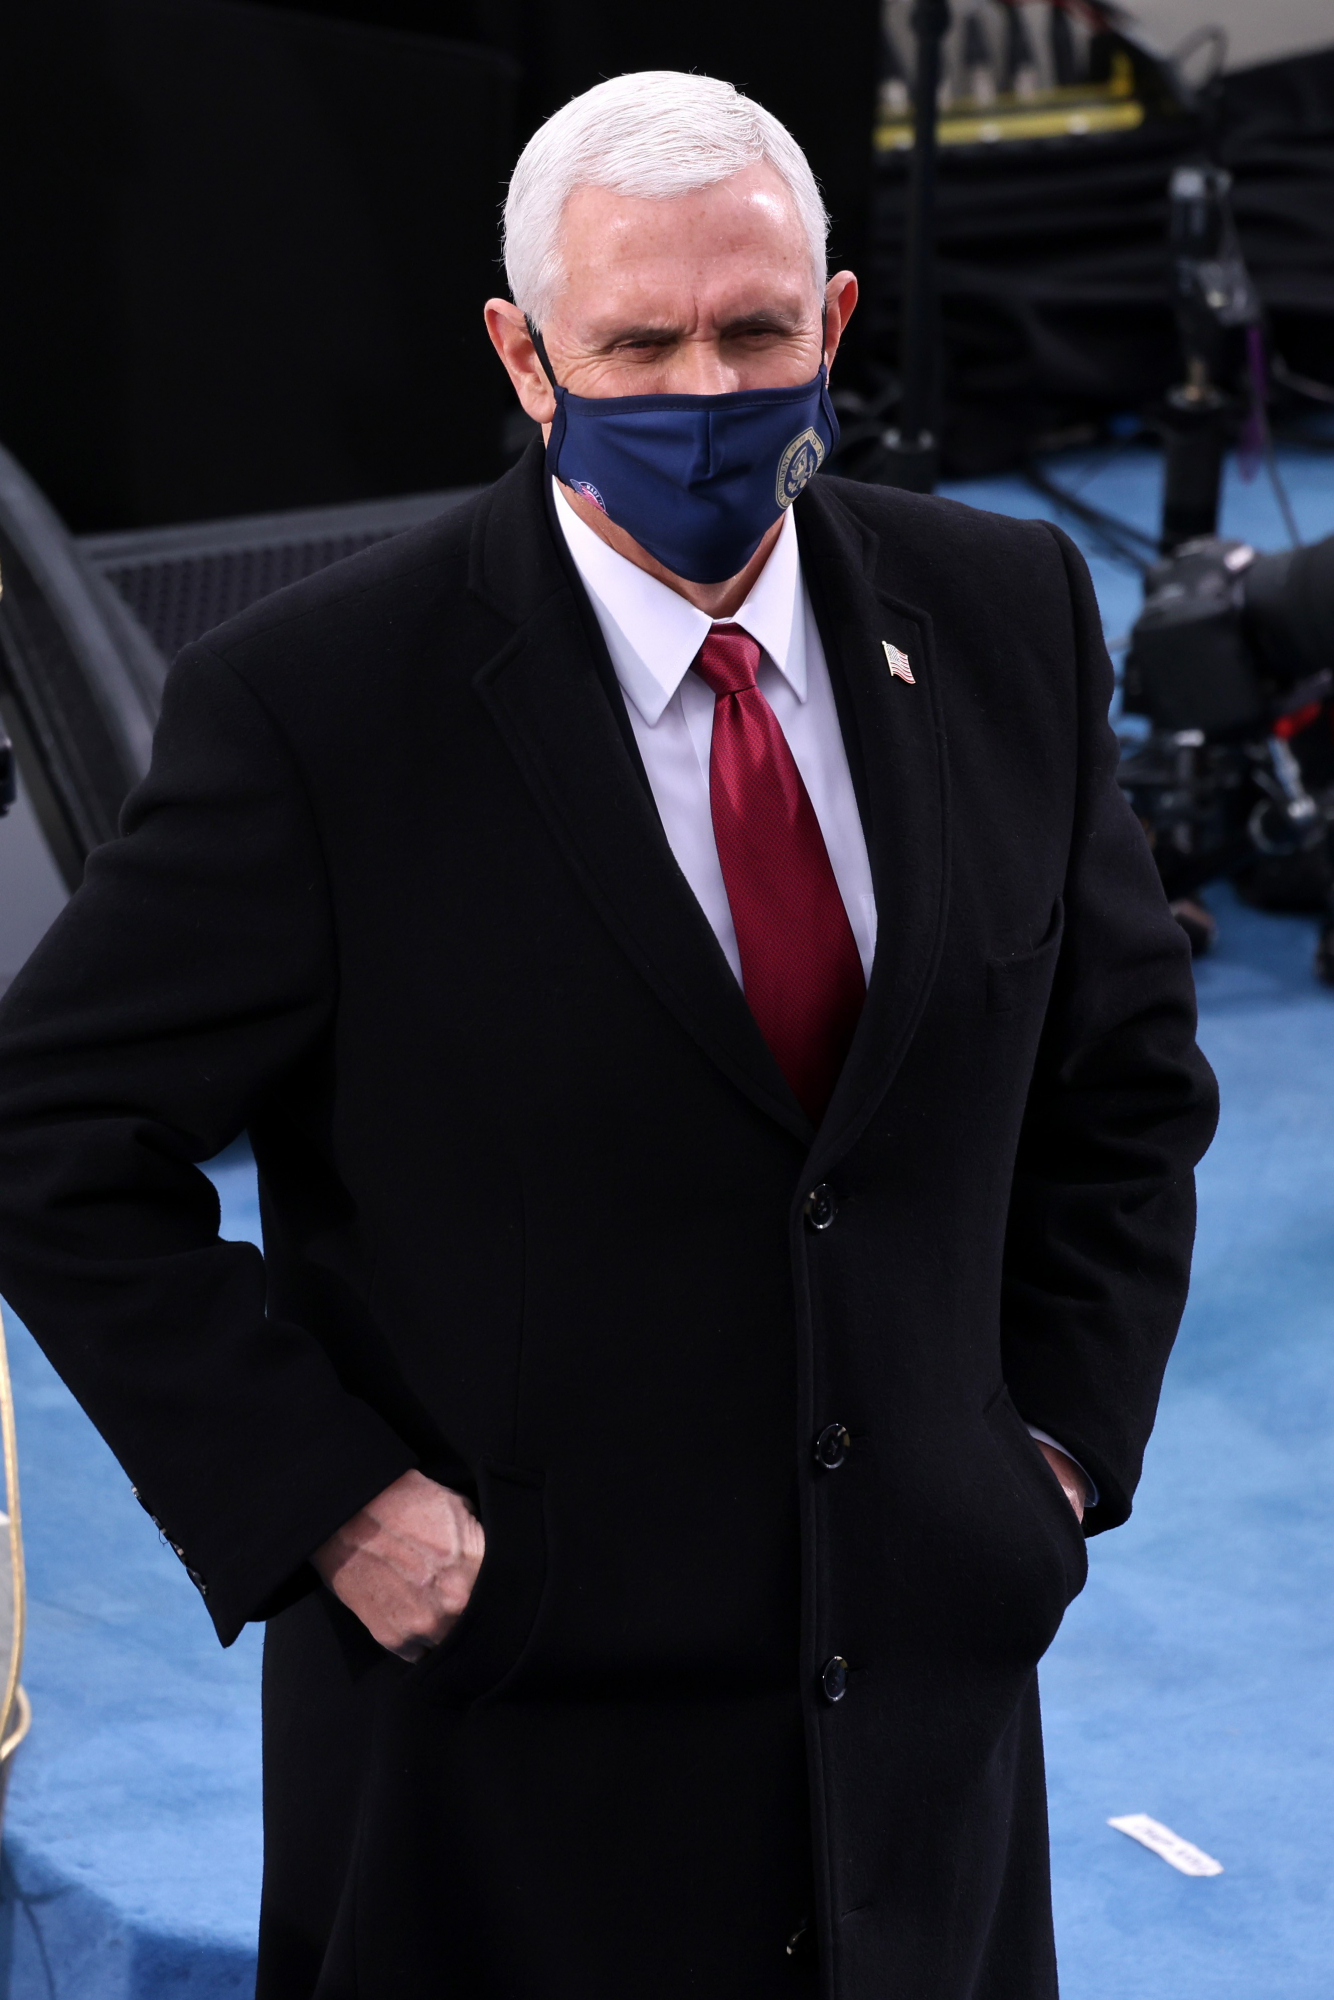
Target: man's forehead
{"x": 732, "y": 252}
{"x": 752, "y": 210}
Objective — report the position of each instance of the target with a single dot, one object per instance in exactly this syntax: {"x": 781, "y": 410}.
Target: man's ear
{"x": 840, "y": 302}
{"x": 512, "y": 341}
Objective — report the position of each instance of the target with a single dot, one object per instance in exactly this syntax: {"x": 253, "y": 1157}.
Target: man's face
{"x": 700, "y": 295}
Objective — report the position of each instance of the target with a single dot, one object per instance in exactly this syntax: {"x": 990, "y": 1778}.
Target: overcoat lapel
{"x": 900, "y": 731}
{"x": 543, "y": 691}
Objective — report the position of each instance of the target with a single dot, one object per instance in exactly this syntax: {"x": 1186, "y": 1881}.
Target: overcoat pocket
{"x": 1020, "y": 980}
{"x": 1040, "y": 1486}
{"x": 486, "y": 1645}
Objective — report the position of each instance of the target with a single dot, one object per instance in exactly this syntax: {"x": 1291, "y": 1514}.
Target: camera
{"x": 1231, "y": 666}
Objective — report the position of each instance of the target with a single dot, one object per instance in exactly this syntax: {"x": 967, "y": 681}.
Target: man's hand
{"x": 1069, "y": 1474}
{"x": 406, "y": 1564}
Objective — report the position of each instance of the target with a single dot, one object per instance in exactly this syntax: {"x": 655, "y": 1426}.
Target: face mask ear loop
{"x": 556, "y": 435}
{"x": 541, "y": 346}
{"x": 826, "y": 401}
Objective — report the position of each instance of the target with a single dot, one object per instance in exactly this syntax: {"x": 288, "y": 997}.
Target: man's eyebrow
{"x": 658, "y": 335}
{"x": 766, "y": 319}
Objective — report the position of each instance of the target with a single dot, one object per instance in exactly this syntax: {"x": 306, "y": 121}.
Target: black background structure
{"x": 814, "y": 69}
{"x": 246, "y": 246}
{"x": 245, "y": 267}
{"x": 244, "y": 256}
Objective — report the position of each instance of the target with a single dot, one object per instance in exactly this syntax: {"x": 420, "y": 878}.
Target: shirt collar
{"x": 653, "y": 634}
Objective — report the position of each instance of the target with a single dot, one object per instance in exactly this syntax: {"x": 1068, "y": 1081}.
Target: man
{"x": 720, "y": 1069}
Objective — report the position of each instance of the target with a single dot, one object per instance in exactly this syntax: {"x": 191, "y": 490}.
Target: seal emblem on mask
{"x": 798, "y": 466}
{"x": 588, "y": 492}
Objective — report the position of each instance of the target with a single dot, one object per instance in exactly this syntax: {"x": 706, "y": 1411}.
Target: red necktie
{"x": 800, "y": 965}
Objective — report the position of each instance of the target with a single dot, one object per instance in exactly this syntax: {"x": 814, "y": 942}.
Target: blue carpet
{"x": 132, "y": 1836}
{"x": 1192, "y": 1680}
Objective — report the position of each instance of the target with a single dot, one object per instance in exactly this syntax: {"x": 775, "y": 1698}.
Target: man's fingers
{"x": 406, "y": 1564}
{"x": 1069, "y": 1474}
{"x": 403, "y": 1622}
{"x": 412, "y": 1637}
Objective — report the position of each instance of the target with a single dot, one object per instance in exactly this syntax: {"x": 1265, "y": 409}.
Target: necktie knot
{"x": 728, "y": 661}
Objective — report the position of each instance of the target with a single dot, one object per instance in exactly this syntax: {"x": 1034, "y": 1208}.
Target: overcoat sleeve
{"x": 193, "y": 969}
{"x": 1122, "y": 1105}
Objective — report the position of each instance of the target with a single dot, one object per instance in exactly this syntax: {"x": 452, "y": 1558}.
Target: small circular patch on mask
{"x": 798, "y": 466}
{"x": 590, "y": 493}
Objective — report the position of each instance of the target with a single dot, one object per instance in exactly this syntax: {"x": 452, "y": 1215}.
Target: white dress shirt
{"x": 653, "y": 634}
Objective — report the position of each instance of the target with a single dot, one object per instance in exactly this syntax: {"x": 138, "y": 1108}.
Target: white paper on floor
{"x": 1178, "y": 1853}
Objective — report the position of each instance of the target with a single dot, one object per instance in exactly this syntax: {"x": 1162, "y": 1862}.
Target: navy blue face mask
{"x": 697, "y": 480}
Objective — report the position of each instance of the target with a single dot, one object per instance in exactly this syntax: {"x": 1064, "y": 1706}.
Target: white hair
{"x": 657, "y": 133}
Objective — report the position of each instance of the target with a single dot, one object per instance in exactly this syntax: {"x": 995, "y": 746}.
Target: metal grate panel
{"x": 181, "y": 582}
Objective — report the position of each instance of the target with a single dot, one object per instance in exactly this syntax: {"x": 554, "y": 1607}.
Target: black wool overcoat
{"x": 543, "y": 1218}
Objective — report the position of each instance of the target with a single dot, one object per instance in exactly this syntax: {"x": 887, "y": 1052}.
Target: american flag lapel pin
{"x": 898, "y": 664}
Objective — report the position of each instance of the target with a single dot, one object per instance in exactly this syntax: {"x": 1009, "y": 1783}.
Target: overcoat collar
{"x": 544, "y": 690}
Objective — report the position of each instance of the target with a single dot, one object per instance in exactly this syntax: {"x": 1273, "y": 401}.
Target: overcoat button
{"x": 834, "y": 1679}
{"x": 832, "y": 1447}
{"x": 821, "y": 1207}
